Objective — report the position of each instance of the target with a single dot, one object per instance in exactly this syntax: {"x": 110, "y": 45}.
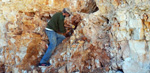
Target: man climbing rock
{"x": 55, "y": 26}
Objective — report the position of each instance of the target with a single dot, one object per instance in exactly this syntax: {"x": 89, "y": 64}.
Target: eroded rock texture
{"x": 109, "y": 36}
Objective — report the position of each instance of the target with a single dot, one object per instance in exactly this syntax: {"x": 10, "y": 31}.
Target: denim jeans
{"x": 55, "y": 39}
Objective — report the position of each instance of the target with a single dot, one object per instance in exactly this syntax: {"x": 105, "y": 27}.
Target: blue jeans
{"x": 55, "y": 39}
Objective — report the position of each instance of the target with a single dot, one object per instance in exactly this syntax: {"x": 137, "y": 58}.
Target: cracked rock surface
{"x": 110, "y": 36}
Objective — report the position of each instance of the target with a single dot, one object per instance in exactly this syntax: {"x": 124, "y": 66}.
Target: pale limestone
{"x": 149, "y": 45}
{"x": 3, "y": 42}
{"x": 2, "y": 24}
{"x": 135, "y": 23}
{"x": 138, "y": 34}
{"x": 2, "y": 59}
{"x": 5, "y": 0}
{"x": 137, "y": 50}
{"x": 138, "y": 1}
{"x": 121, "y": 15}
{"x": 15, "y": 70}
{"x": 122, "y": 34}
{"x": 125, "y": 49}
{"x": 34, "y": 71}
{"x": 130, "y": 66}
{"x": 123, "y": 24}
{"x": 147, "y": 34}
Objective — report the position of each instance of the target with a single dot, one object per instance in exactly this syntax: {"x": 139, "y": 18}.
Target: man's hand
{"x": 65, "y": 34}
{"x": 70, "y": 26}
{"x": 67, "y": 26}
{"x": 67, "y": 31}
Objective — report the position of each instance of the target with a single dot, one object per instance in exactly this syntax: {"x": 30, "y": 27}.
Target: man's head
{"x": 66, "y": 12}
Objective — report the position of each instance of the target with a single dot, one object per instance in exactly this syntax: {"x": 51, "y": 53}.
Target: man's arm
{"x": 61, "y": 27}
{"x": 67, "y": 26}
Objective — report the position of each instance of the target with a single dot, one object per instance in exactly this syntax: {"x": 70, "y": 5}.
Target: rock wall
{"x": 112, "y": 36}
{"x": 129, "y": 34}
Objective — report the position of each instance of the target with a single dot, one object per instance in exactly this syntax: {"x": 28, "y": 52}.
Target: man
{"x": 55, "y": 26}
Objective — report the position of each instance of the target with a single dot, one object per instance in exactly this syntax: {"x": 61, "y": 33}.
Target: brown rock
{"x": 2, "y": 68}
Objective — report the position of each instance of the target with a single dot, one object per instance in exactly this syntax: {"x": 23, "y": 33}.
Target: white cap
{"x": 67, "y": 10}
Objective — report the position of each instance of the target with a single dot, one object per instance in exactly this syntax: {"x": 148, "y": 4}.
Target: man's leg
{"x": 53, "y": 42}
{"x": 60, "y": 38}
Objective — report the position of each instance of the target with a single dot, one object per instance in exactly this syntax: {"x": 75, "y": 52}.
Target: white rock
{"x": 43, "y": 69}
{"x": 132, "y": 66}
{"x": 22, "y": 52}
{"x": 29, "y": 72}
{"x": 62, "y": 70}
{"x": 138, "y": 34}
{"x": 123, "y": 24}
{"x": 111, "y": 71}
{"x": 34, "y": 71}
{"x": 2, "y": 24}
{"x": 97, "y": 63}
{"x": 89, "y": 67}
{"x": 12, "y": 40}
{"x": 122, "y": 34}
{"x": 2, "y": 58}
{"x": 138, "y": 1}
{"x": 24, "y": 71}
{"x": 135, "y": 23}
{"x": 2, "y": 43}
{"x": 5, "y": 0}
{"x": 121, "y": 15}
{"x": 149, "y": 45}
{"x": 125, "y": 49}
{"x": 147, "y": 34}
{"x": 119, "y": 72}
{"x": 137, "y": 49}
{"x": 77, "y": 72}
{"x": 15, "y": 70}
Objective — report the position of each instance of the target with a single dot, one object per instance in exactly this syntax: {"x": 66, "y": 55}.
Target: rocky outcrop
{"x": 86, "y": 49}
{"x": 111, "y": 36}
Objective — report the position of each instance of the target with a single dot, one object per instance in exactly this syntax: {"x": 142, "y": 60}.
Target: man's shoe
{"x": 44, "y": 64}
